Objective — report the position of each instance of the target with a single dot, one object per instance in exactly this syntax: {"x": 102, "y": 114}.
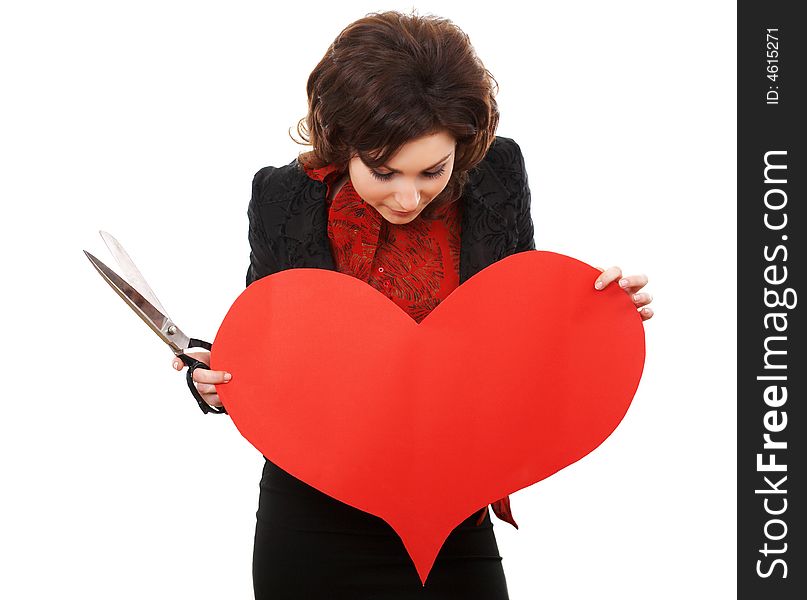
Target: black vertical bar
{"x": 771, "y": 71}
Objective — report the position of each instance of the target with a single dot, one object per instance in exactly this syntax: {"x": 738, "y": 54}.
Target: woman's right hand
{"x": 205, "y": 380}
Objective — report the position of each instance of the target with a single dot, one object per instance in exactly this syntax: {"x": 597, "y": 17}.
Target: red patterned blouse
{"x": 415, "y": 264}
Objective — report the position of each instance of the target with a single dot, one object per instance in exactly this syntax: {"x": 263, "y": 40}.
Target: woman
{"x": 409, "y": 189}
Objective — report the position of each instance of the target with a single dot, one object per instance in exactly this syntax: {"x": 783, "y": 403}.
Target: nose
{"x": 409, "y": 200}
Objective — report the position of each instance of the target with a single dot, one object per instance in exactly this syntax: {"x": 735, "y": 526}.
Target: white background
{"x": 149, "y": 119}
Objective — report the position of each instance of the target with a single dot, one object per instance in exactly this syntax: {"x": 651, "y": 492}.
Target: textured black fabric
{"x": 310, "y": 546}
{"x": 307, "y": 544}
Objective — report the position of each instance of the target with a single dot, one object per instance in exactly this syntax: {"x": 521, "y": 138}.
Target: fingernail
{"x": 227, "y": 377}
{"x": 623, "y": 282}
{"x": 598, "y": 285}
{"x": 636, "y": 297}
{"x": 176, "y": 365}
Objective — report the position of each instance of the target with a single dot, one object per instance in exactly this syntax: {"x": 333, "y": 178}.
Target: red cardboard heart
{"x": 341, "y": 388}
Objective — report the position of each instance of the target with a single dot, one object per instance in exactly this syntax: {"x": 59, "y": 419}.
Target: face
{"x": 409, "y": 181}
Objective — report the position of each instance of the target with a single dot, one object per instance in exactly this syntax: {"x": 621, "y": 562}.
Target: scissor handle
{"x": 194, "y": 364}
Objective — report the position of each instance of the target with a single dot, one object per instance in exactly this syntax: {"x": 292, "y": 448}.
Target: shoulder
{"x": 274, "y": 184}
{"x": 504, "y": 155}
{"x": 502, "y": 172}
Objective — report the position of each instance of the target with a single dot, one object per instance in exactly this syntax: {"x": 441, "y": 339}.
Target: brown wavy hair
{"x": 390, "y": 78}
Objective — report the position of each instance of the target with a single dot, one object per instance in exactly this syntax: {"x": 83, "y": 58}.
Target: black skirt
{"x": 311, "y": 546}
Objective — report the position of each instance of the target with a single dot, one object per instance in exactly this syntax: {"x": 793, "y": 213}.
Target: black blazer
{"x": 288, "y": 216}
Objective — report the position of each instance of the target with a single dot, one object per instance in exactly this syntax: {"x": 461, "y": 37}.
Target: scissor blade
{"x": 130, "y": 271}
{"x": 154, "y": 318}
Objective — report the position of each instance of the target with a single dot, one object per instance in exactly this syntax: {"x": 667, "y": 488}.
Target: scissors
{"x": 139, "y": 296}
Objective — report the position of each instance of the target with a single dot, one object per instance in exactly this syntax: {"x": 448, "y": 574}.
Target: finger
{"x": 205, "y": 388}
{"x": 646, "y": 313}
{"x": 642, "y": 299}
{"x": 214, "y": 401}
{"x": 179, "y": 364}
{"x": 633, "y": 283}
{"x": 208, "y": 376}
{"x": 607, "y": 276}
{"x": 210, "y": 398}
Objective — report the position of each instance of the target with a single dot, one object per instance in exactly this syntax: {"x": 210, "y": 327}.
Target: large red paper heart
{"x": 524, "y": 369}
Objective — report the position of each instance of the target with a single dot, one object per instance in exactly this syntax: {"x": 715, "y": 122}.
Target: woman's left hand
{"x": 631, "y": 284}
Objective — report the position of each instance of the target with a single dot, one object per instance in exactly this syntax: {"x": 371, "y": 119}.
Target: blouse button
{"x": 380, "y": 269}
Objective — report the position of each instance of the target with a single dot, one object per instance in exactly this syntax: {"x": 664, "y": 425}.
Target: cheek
{"x": 371, "y": 191}
{"x": 433, "y": 188}
{"x": 439, "y": 185}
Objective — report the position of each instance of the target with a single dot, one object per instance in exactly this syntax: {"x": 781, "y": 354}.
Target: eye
{"x": 388, "y": 176}
{"x": 436, "y": 174}
{"x": 381, "y": 176}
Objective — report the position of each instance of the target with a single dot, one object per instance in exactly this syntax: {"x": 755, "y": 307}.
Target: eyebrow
{"x": 427, "y": 168}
